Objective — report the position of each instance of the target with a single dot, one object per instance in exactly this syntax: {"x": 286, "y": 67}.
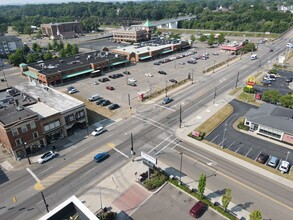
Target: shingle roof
{"x": 272, "y": 116}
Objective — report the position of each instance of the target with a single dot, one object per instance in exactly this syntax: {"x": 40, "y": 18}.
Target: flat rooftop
{"x": 42, "y": 110}
{"x": 50, "y": 97}
{"x": 72, "y": 62}
{"x": 14, "y": 113}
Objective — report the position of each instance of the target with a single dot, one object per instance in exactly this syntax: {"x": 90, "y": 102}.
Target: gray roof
{"x": 9, "y": 38}
{"x": 272, "y": 116}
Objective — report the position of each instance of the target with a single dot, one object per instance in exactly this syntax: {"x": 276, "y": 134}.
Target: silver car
{"x": 273, "y": 162}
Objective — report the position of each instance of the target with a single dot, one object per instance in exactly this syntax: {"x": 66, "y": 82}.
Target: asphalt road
{"x": 150, "y": 127}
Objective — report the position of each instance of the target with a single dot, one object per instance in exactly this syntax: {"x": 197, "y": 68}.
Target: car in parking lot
{"x": 271, "y": 50}
{"x": 132, "y": 84}
{"x": 288, "y": 79}
{"x": 94, "y": 97}
{"x": 262, "y": 158}
{"x": 198, "y": 209}
{"x": 167, "y": 100}
{"x": 126, "y": 72}
{"x": 98, "y": 131}
{"x": 273, "y": 162}
{"x": 105, "y": 79}
{"x": 71, "y": 90}
{"x": 215, "y": 53}
{"x": 100, "y": 101}
{"x": 284, "y": 166}
{"x": 110, "y": 87}
{"x": 47, "y": 156}
{"x": 191, "y": 61}
{"x": 157, "y": 63}
{"x": 148, "y": 74}
{"x": 173, "y": 80}
{"x": 101, "y": 156}
{"x": 105, "y": 103}
{"x": 113, "y": 76}
{"x": 162, "y": 72}
{"x": 113, "y": 106}
{"x": 132, "y": 80}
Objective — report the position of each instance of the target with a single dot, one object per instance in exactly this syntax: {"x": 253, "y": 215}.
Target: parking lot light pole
{"x": 166, "y": 87}
{"x": 224, "y": 136}
{"x": 181, "y": 157}
{"x": 287, "y": 155}
{"x": 192, "y": 72}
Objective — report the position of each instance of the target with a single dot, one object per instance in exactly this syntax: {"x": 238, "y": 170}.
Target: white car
{"x": 72, "y": 91}
{"x": 289, "y": 45}
{"x": 148, "y": 74}
{"x": 132, "y": 80}
{"x": 47, "y": 156}
{"x": 284, "y": 166}
{"x": 98, "y": 131}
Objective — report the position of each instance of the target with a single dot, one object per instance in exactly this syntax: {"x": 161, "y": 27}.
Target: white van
{"x": 253, "y": 57}
{"x": 94, "y": 97}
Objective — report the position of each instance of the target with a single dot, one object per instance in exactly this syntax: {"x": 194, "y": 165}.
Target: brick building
{"x": 63, "y": 30}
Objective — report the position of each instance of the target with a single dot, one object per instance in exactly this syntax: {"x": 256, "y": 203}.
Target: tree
{"x": 50, "y": 47}
{"x": 192, "y": 38}
{"x": 74, "y": 49}
{"x": 221, "y": 38}
{"x": 48, "y": 56}
{"x": 202, "y": 184}
{"x": 61, "y": 53}
{"x": 31, "y": 58}
{"x": 68, "y": 49}
{"x": 226, "y": 199}
{"x": 249, "y": 47}
{"x": 271, "y": 96}
{"x": 211, "y": 40}
{"x": 255, "y": 215}
{"x": 16, "y": 58}
{"x": 202, "y": 38}
{"x": 286, "y": 101}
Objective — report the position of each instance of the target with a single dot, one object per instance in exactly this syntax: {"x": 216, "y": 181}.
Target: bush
{"x": 156, "y": 180}
{"x": 107, "y": 215}
{"x": 248, "y": 90}
{"x": 199, "y": 138}
{"x": 242, "y": 126}
{"x": 273, "y": 71}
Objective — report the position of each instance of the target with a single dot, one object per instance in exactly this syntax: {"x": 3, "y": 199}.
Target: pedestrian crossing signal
{"x": 14, "y": 199}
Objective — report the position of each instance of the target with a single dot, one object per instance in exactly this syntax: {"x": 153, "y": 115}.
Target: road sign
{"x": 149, "y": 158}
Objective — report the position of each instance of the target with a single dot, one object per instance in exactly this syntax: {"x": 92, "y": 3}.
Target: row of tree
{"x": 32, "y": 55}
{"x": 249, "y": 15}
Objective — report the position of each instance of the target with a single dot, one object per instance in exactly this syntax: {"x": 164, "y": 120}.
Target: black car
{"x": 100, "y": 101}
{"x": 162, "y": 72}
{"x": 113, "y": 106}
{"x": 288, "y": 80}
{"x": 120, "y": 75}
{"x": 173, "y": 80}
{"x": 156, "y": 63}
{"x": 105, "y": 103}
{"x": 126, "y": 72}
{"x": 262, "y": 158}
{"x": 113, "y": 76}
{"x": 104, "y": 79}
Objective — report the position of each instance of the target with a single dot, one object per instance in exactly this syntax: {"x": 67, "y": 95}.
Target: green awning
{"x": 120, "y": 62}
{"x": 22, "y": 64}
{"x": 77, "y": 73}
{"x": 145, "y": 57}
{"x": 30, "y": 74}
{"x": 166, "y": 51}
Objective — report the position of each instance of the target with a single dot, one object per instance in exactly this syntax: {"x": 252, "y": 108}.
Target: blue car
{"x": 101, "y": 156}
{"x": 167, "y": 100}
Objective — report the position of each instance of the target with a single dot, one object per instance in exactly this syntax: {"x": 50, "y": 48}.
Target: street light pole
{"x": 287, "y": 155}
{"x": 47, "y": 206}
{"x": 166, "y": 87}
{"x": 180, "y": 117}
{"x": 129, "y": 101}
{"x": 131, "y": 148}
{"x": 181, "y": 154}
{"x": 192, "y": 72}
{"x": 237, "y": 78}
{"x": 28, "y": 159}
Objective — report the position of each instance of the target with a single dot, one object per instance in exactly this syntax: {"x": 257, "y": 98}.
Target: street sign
{"x": 149, "y": 158}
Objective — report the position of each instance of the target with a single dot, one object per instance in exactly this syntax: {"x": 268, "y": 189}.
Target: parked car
{"x": 113, "y": 106}
{"x": 289, "y": 79}
{"x": 215, "y": 53}
{"x": 72, "y": 90}
{"x": 113, "y": 76}
{"x": 271, "y": 50}
{"x": 47, "y": 156}
{"x": 98, "y": 131}
{"x": 191, "y": 61}
{"x": 157, "y": 63}
{"x": 148, "y": 74}
{"x": 173, "y": 80}
{"x": 273, "y": 162}
{"x": 181, "y": 63}
{"x": 131, "y": 84}
{"x": 167, "y": 100}
{"x": 162, "y": 72}
{"x": 198, "y": 209}
{"x": 94, "y": 97}
{"x": 100, "y": 101}
{"x": 105, "y": 103}
{"x": 126, "y": 72}
{"x": 132, "y": 80}
{"x": 105, "y": 79}
{"x": 262, "y": 158}
{"x": 110, "y": 87}
{"x": 284, "y": 166}
{"x": 120, "y": 75}
{"x": 101, "y": 156}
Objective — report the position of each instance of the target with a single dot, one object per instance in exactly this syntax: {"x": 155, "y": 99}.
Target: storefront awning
{"x": 166, "y": 51}
{"x": 145, "y": 57}
{"x": 120, "y": 62}
{"x": 77, "y": 74}
{"x": 31, "y": 74}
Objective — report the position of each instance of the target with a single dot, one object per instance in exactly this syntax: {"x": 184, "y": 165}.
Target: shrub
{"x": 156, "y": 180}
{"x": 199, "y": 138}
{"x": 242, "y": 126}
{"x": 248, "y": 90}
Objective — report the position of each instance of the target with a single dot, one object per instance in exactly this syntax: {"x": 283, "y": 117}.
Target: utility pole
{"x": 215, "y": 94}
{"x": 180, "y": 117}
{"x": 192, "y": 72}
{"x": 131, "y": 148}
{"x": 166, "y": 88}
{"x": 27, "y": 157}
{"x": 181, "y": 155}
{"x": 47, "y": 206}
{"x": 129, "y": 101}
{"x": 237, "y": 78}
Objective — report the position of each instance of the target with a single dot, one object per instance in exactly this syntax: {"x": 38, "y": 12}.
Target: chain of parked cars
{"x": 274, "y": 162}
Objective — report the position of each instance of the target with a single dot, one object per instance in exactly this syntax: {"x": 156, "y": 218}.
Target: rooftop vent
{"x": 19, "y": 108}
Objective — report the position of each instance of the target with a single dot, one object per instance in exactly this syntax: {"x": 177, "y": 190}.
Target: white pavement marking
{"x": 222, "y": 142}
{"x": 237, "y": 150}
{"x": 148, "y": 121}
{"x": 6, "y": 165}
{"x": 116, "y": 121}
{"x": 121, "y": 152}
{"x": 231, "y": 145}
{"x": 33, "y": 175}
{"x": 211, "y": 161}
{"x": 168, "y": 108}
{"x": 46, "y": 169}
{"x": 160, "y": 143}
{"x": 166, "y": 146}
{"x": 214, "y": 138}
{"x": 248, "y": 152}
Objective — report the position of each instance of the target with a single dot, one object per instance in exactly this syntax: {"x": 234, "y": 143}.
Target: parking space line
{"x": 214, "y": 138}
{"x": 257, "y": 155}
{"x": 248, "y": 152}
{"x": 231, "y": 145}
{"x": 237, "y": 150}
{"x": 222, "y": 141}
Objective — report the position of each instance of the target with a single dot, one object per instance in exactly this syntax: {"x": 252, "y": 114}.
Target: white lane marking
{"x": 211, "y": 161}
{"x": 46, "y": 169}
{"x": 164, "y": 129}
{"x": 160, "y": 144}
{"x": 149, "y": 119}
{"x": 121, "y": 152}
{"x": 176, "y": 144}
{"x": 168, "y": 108}
{"x": 248, "y": 152}
{"x": 166, "y": 146}
{"x": 116, "y": 121}
{"x": 33, "y": 175}
{"x": 214, "y": 138}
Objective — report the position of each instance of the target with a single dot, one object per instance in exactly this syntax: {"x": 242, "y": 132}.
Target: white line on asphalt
{"x": 164, "y": 129}
{"x": 159, "y": 144}
{"x": 214, "y": 138}
{"x": 168, "y": 108}
{"x": 149, "y": 119}
{"x": 176, "y": 144}
{"x": 33, "y": 175}
{"x": 211, "y": 161}
{"x": 231, "y": 145}
{"x": 166, "y": 146}
{"x": 121, "y": 153}
{"x": 237, "y": 150}
{"x": 248, "y": 152}
{"x": 220, "y": 144}
{"x": 116, "y": 121}
{"x": 46, "y": 169}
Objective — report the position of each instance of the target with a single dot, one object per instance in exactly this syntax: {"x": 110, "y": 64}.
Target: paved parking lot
{"x": 146, "y": 84}
{"x": 249, "y": 146}
{"x": 172, "y": 204}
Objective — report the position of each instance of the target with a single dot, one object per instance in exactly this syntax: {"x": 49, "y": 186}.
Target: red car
{"x": 110, "y": 87}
